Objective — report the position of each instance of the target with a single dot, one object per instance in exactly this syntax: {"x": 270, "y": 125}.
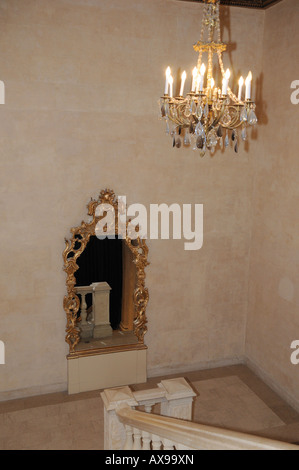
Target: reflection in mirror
{"x": 101, "y": 262}
{"x": 106, "y": 296}
{"x": 105, "y": 284}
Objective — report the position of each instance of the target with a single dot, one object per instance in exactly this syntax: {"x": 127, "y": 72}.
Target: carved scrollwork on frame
{"x": 140, "y": 251}
{"x": 76, "y": 245}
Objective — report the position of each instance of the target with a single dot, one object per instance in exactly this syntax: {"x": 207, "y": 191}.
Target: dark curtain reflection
{"x": 102, "y": 261}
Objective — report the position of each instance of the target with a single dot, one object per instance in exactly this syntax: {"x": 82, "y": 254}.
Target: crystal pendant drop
{"x": 226, "y": 118}
{"x": 243, "y": 115}
{"x": 252, "y": 119}
{"x": 193, "y": 142}
{"x": 198, "y": 111}
{"x": 221, "y": 143}
{"x": 219, "y": 131}
{"x": 206, "y": 110}
{"x": 166, "y": 109}
{"x": 187, "y": 111}
{"x": 199, "y": 142}
{"x": 203, "y": 152}
{"x": 226, "y": 140}
{"x": 199, "y": 130}
{"x": 193, "y": 107}
{"x": 174, "y": 112}
{"x": 178, "y": 142}
{"x": 244, "y": 133}
{"x": 236, "y": 148}
{"x": 167, "y": 131}
{"x": 172, "y": 128}
{"x": 212, "y": 140}
{"x": 187, "y": 140}
{"x": 233, "y": 135}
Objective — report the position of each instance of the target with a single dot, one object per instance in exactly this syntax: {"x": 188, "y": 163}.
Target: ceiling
{"x": 261, "y": 4}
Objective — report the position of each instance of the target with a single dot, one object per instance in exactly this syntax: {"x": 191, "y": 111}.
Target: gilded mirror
{"x": 106, "y": 298}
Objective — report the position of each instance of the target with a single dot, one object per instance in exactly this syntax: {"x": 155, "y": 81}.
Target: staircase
{"x": 131, "y": 424}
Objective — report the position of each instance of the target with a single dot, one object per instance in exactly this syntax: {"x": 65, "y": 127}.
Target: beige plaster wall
{"x": 273, "y": 320}
{"x": 82, "y": 82}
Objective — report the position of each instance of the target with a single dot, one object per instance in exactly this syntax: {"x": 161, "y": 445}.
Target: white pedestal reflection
{"x": 101, "y": 309}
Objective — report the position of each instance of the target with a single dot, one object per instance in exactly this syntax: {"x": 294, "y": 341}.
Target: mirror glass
{"x": 105, "y": 284}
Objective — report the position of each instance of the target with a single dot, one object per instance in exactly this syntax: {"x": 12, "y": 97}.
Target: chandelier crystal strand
{"x": 208, "y": 114}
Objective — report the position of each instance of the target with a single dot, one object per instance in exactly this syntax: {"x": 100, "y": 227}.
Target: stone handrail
{"x": 127, "y": 428}
{"x": 169, "y": 433}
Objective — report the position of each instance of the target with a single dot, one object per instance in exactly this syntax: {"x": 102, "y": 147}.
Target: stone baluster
{"x": 149, "y": 398}
{"x": 129, "y": 438}
{"x": 115, "y": 434}
{"x": 137, "y": 439}
{"x": 146, "y": 440}
{"x": 148, "y": 408}
{"x": 101, "y": 308}
{"x": 167, "y": 444}
{"x": 156, "y": 442}
{"x": 83, "y": 309}
{"x": 86, "y": 328}
{"x": 179, "y": 398}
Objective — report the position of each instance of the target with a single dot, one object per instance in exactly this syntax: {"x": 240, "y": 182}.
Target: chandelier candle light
{"x": 208, "y": 115}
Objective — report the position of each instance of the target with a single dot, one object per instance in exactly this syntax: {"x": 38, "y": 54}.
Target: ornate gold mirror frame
{"x": 76, "y": 245}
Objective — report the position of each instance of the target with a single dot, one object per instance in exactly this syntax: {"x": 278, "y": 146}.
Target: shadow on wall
{"x": 260, "y": 103}
{"x": 225, "y": 29}
{"x": 226, "y": 26}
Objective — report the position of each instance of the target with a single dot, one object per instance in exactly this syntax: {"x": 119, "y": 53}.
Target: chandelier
{"x": 208, "y": 116}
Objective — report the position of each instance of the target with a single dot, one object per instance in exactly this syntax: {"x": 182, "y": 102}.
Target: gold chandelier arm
{"x": 232, "y": 127}
{"x": 235, "y": 122}
{"x": 218, "y": 118}
{"x": 179, "y": 112}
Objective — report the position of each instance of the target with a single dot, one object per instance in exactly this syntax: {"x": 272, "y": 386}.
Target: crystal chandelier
{"x": 208, "y": 116}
